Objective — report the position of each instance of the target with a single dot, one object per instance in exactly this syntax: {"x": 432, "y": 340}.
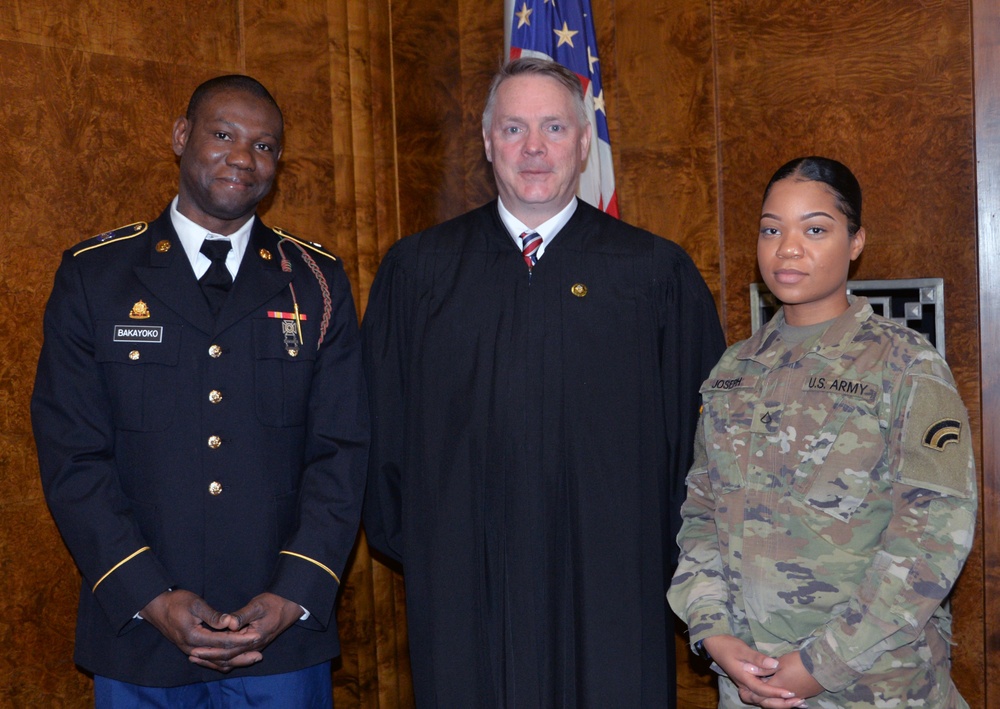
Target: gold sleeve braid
{"x": 312, "y": 561}
{"x": 116, "y": 566}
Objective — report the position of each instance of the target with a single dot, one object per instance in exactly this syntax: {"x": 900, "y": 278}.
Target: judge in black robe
{"x": 531, "y": 437}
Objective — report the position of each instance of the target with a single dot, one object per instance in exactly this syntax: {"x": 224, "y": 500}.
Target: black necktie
{"x": 217, "y": 281}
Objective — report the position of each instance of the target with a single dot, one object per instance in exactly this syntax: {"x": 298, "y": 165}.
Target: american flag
{"x": 563, "y": 30}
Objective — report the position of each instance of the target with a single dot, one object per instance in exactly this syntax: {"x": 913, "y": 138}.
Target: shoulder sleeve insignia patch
{"x": 941, "y": 433}
{"x": 318, "y": 248}
{"x": 113, "y": 237}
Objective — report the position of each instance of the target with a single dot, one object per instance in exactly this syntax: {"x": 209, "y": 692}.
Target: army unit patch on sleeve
{"x": 932, "y": 419}
{"x": 940, "y": 433}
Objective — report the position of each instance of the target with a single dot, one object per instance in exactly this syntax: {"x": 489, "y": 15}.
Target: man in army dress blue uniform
{"x": 202, "y": 432}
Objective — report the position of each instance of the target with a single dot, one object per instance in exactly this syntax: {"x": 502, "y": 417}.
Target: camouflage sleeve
{"x": 933, "y": 494}
{"x": 698, "y": 592}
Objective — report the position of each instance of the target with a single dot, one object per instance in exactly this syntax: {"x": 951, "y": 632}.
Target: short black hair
{"x": 231, "y": 82}
{"x": 835, "y": 175}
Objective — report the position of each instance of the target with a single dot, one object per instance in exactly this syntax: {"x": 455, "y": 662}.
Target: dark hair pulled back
{"x": 835, "y": 175}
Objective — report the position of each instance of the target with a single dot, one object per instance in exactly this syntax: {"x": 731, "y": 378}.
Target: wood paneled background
{"x": 705, "y": 98}
{"x": 986, "y": 43}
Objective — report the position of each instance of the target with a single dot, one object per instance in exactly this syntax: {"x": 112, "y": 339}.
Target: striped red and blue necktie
{"x": 530, "y": 241}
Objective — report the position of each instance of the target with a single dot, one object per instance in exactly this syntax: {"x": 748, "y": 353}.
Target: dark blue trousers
{"x": 310, "y": 688}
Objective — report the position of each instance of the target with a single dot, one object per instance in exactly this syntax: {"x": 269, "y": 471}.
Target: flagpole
{"x": 508, "y": 18}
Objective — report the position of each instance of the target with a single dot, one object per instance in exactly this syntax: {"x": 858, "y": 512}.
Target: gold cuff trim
{"x": 313, "y": 561}
{"x": 115, "y": 567}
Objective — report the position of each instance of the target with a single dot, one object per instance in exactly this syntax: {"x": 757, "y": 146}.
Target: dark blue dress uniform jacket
{"x": 123, "y": 419}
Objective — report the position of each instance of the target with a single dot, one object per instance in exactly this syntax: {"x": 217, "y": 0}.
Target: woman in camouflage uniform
{"x": 832, "y": 500}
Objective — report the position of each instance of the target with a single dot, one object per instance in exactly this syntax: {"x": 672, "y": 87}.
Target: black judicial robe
{"x": 531, "y": 439}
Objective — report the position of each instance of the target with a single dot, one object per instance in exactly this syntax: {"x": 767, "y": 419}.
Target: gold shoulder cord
{"x": 324, "y": 287}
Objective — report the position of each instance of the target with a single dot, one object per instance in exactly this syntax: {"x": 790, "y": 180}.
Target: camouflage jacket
{"x": 831, "y": 505}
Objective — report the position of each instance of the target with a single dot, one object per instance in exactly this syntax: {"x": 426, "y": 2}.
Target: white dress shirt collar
{"x": 547, "y": 229}
{"x": 192, "y": 235}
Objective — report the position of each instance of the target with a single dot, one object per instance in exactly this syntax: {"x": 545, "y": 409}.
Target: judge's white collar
{"x": 547, "y": 229}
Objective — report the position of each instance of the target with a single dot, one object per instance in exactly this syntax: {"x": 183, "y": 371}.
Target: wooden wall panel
{"x": 205, "y": 32}
{"x": 69, "y": 124}
{"x": 363, "y": 150}
{"x": 662, "y": 79}
{"x": 429, "y": 130}
{"x": 986, "y": 42}
{"x": 481, "y": 26}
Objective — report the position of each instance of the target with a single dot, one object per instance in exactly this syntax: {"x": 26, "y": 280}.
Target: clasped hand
{"x": 220, "y": 641}
{"x": 773, "y": 683}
